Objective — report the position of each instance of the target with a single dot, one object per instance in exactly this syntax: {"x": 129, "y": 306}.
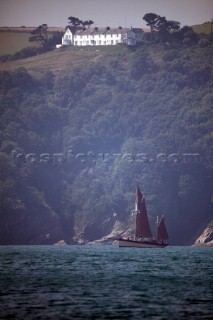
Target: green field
{"x": 11, "y": 42}
{"x": 203, "y": 28}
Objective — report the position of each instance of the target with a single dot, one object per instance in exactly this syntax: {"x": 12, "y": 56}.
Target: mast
{"x": 161, "y": 230}
{"x": 142, "y": 223}
{"x": 156, "y": 230}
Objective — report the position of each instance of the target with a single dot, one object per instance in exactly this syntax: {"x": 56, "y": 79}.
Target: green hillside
{"x": 203, "y": 28}
{"x": 58, "y": 60}
{"x": 80, "y": 126}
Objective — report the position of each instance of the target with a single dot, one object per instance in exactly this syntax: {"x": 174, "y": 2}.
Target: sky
{"x": 103, "y": 12}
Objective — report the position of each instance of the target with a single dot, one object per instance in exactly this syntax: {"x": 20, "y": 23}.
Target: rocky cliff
{"x": 206, "y": 238}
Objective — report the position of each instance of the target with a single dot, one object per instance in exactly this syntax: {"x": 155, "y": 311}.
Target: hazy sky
{"x": 102, "y": 12}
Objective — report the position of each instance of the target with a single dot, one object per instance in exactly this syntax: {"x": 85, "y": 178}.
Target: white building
{"x": 102, "y": 37}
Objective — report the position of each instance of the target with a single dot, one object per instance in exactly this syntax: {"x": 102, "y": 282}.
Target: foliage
{"x": 169, "y": 32}
{"x": 76, "y": 23}
{"x": 162, "y": 25}
{"x": 40, "y": 35}
{"x": 151, "y": 20}
{"x": 204, "y": 42}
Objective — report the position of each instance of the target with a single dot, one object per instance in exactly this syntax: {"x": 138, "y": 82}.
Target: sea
{"x": 106, "y": 282}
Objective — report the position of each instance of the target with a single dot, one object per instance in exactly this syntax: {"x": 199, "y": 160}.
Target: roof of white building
{"x": 107, "y": 30}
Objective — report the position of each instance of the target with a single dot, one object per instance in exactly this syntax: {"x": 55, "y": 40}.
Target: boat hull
{"x": 140, "y": 244}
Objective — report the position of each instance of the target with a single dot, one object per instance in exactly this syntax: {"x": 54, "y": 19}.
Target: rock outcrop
{"x": 118, "y": 230}
{"x": 60, "y": 243}
{"x": 206, "y": 238}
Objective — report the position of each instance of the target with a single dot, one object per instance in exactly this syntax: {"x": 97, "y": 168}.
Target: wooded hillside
{"x": 76, "y": 135}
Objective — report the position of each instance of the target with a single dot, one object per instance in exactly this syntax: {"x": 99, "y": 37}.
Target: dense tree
{"x": 40, "y": 35}
{"x": 76, "y": 23}
{"x": 162, "y": 25}
{"x": 151, "y": 20}
{"x": 44, "y": 38}
{"x": 173, "y": 25}
{"x": 165, "y": 27}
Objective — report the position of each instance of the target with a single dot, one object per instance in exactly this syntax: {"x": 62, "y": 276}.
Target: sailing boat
{"x": 143, "y": 235}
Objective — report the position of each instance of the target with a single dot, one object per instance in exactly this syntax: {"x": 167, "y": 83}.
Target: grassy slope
{"x": 202, "y": 28}
{"x": 60, "y": 59}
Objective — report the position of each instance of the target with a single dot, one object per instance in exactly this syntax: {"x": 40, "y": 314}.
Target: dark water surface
{"x": 105, "y": 282}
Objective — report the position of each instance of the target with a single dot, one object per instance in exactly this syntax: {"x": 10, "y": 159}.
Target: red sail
{"x": 142, "y": 223}
{"x": 161, "y": 230}
{"x": 139, "y": 196}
